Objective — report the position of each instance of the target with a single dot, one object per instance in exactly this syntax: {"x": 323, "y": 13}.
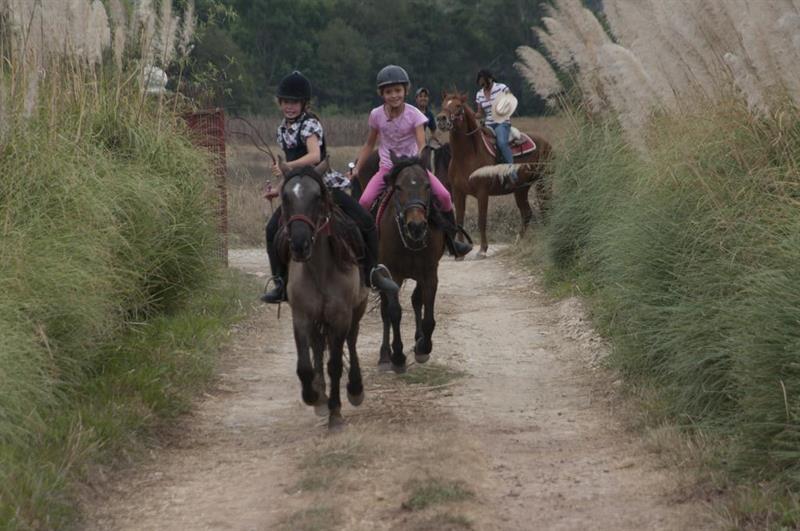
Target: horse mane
{"x": 400, "y": 164}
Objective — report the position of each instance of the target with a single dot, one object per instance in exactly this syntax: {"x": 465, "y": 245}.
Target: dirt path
{"x": 508, "y": 427}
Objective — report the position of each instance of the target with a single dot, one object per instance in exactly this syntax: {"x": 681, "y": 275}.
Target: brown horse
{"x": 325, "y": 291}
{"x": 411, "y": 247}
{"x": 469, "y": 153}
{"x": 435, "y": 157}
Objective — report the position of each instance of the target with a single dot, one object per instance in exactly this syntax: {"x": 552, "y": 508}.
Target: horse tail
{"x": 499, "y": 172}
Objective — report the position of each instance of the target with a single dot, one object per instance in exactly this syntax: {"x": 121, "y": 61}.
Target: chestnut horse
{"x": 411, "y": 247}
{"x": 469, "y": 153}
{"x": 325, "y": 290}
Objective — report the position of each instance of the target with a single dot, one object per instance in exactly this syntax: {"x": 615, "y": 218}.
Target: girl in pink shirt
{"x": 401, "y": 129}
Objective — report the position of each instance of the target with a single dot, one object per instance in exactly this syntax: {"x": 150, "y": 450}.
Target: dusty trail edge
{"x": 511, "y": 425}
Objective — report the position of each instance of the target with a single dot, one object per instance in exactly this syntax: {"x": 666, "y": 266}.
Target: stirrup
{"x": 382, "y": 281}
{"x": 277, "y": 294}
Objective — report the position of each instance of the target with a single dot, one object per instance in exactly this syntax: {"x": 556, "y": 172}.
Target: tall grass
{"x": 676, "y": 195}
{"x": 692, "y": 255}
{"x": 113, "y": 303}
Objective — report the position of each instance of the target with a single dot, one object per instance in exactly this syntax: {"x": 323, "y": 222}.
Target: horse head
{"x": 412, "y": 199}
{"x": 454, "y": 108}
{"x": 306, "y": 206}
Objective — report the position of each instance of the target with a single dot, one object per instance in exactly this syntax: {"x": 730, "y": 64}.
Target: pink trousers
{"x": 377, "y": 185}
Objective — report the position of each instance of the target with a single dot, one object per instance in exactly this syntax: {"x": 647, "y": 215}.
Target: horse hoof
{"x": 399, "y": 369}
{"x": 421, "y": 358}
{"x": 356, "y": 400}
{"x": 321, "y": 406}
{"x": 384, "y": 366}
{"x": 335, "y": 423}
{"x": 480, "y": 255}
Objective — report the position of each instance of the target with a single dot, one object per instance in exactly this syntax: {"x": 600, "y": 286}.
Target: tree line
{"x": 246, "y": 47}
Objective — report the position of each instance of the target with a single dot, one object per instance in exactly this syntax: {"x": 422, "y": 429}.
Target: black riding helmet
{"x": 392, "y": 75}
{"x": 294, "y": 87}
{"x": 484, "y": 73}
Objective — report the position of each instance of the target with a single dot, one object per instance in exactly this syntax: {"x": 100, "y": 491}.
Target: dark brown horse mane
{"x": 400, "y": 164}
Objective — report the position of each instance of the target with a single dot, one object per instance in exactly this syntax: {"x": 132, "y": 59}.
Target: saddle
{"x": 347, "y": 243}
{"x": 520, "y": 143}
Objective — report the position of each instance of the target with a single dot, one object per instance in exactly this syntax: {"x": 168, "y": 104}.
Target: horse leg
{"x": 525, "y": 211}
{"x": 483, "y": 210}
{"x": 395, "y": 313}
{"x": 424, "y": 345}
{"x": 460, "y": 206}
{"x": 336, "y": 346}
{"x": 305, "y": 372}
{"x": 383, "y": 360}
{"x": 318, "y": 383}
{"x": 416, "y": 302}
{"x": 355, "y": 387}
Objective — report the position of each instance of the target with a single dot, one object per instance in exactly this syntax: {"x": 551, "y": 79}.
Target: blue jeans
{"x": 502, "y": 132}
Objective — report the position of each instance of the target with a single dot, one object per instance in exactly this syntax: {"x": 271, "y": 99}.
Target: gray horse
{"x": 325, "y": 290}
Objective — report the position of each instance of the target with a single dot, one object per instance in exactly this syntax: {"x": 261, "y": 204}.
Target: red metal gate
{"x": 208, "y": 131}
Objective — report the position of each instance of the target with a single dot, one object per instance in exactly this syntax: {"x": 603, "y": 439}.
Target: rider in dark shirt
{"x": 422, "y": 100}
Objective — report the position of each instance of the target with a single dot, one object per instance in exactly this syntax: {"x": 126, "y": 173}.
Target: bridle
{"x": 409, "y": 242}
{"x": 458, "y": 116}
{"x": 321, "y": 226}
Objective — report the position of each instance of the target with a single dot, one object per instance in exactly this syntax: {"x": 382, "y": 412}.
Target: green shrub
{"x": 111, "y": 299}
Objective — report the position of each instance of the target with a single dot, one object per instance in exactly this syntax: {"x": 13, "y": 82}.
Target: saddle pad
{"x": 524, "y": 146}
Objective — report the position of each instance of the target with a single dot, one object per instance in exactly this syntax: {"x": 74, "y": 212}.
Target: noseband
{"x": 409, "y": 242}
{"x": 458, "y": 117}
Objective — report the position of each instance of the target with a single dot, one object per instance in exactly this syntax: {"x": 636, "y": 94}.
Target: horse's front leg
{"x": 395, "y": 312}
{"x": 305, "y": 371}
{"x": 336, "y": 338}
{"x": 355, "y": 386}
{"x": 384, "y": 363}
{"x": 424, "y": 345}
{"x": 317, "y": 341}
{"x": 483, "y": 212}
{"x": 460, "y": 204}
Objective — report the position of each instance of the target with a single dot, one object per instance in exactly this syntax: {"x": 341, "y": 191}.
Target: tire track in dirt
{"x": 526, "y": 439}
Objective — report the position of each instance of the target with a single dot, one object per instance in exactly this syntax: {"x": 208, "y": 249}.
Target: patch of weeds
{"x": 431, "y": 375}
{"x": 434, "y": 492}
{"x": 313, "y": 482}
{"x": 315, "y": 519}
{"x": 446, "y": 522}
{"x": 341, "y": 453}
{"x": 769, "y": 506}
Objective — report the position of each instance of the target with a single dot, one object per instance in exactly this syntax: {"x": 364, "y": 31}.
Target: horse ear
{"x": 323, "y": 167}
{"x": 444, "y": 95}
{"x": 284, "y": 168}
{"x": 395, "y": 159}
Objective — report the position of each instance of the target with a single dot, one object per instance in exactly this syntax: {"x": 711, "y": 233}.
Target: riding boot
{"x": 377, "y": 275}
{"x": 279, "y": 277}
{"x": 451, "y": 230}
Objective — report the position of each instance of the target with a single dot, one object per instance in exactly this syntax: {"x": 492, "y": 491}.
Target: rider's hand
{"x": 276, "y": 171}
{"x": 270, "y": 192}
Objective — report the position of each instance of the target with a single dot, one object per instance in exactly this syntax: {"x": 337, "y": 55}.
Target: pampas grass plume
{"x": 537, "y": 72}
